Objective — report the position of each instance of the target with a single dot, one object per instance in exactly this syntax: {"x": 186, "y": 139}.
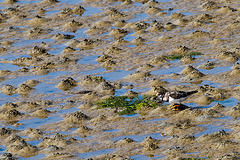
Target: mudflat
{"x": 62, "y": 61}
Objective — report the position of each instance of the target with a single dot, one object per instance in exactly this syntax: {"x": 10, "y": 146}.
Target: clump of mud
{"x": 147, "y": 47}
{"x": 76, "y": 117}
{"x": 67, "y": 84}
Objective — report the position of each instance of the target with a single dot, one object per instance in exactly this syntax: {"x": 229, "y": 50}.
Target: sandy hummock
{"x": 57, "y": 59}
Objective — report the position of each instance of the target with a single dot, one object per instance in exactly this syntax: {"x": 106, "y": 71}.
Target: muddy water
{"x": 50, "y": 50}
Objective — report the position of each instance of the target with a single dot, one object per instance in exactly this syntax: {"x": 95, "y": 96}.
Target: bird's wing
{"x": 181, "y": 94}
{"x": 177, "y": 94}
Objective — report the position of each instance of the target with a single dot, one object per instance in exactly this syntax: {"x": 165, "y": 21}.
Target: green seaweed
{"x": 174, "y": 56}
{"x": 193, "y": 53}
{"x": 125, "y": 104}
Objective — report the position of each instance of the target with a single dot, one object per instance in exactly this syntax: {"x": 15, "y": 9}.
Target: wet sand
{"x": 58, "y": 58}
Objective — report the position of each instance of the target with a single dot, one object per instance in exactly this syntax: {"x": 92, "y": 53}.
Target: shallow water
{"x": 47, "y": 88}
{"x": 139, "y": 138}
{"x": 115, "y": 75}
{"x": 211, "y": 129}
{"x": 8, "y": 66}
{"x": 2, "y": 149}
{"x": 113, "y": 130}
{"x": 140, "y": 157}
{"x": 96, "y": 153}
{"x": 169, "y": 71}
{"x": 39, "y": 156}
{"x": 36, "y": 122}
{"x": 88, "y": 60}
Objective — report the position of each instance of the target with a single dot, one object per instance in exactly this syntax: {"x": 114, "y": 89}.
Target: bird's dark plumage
{"x": 180, "y": 94}
{"x": 175, "y": 96}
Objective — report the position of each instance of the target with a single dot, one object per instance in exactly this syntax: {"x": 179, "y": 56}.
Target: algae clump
{"x": 126, "y": 105}
{"x": 174, "y": 56}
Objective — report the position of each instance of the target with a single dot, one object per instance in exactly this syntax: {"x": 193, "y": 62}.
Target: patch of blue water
{"x": 47, "y": 88}
{"x": 79, "y": 138}
{"x": 36, "y": 122}
{"x": 116, "y": 75}
{"x": 9, "y": 66}
{"x": 12, "y": 57}
{"x": 71, "y": 1}
{"x": 1, "y": 6}
{"x": 139, "y": 17}
{"x": 88, "y": 59}
{"x": 35, "y": 142}
{"x": 216, "y": 70}
{"x": 91, "y": 10}
{"x": 43, "y": 87}
{"x": 140, "y": 157}
{"x": 187, "y": 32}
{"x": 37, "y": 157}
{"x": 188, "y": 13}
{"x": 150, "y": 42}
{"x": 228, "y": 102}
{"x": 94, "y": 71}
{"x": 131, "y": 45}
{"x": 28, "y": 1}
{"x": 193, "y": 152}
{"x": 96, "y": 153}
{"x": 211, "y": 129}
{"x": 166, "y": 71}
{"x": 141, "y": 90}
{"x": 226, "y": 118}
{"x": 65, "y": 132}
{"x": 19, "y": 80}
{"x": 113, "y": 130}
{"x": 54, "y": 75}
{"x": 207, "y": 82}
{"x": 2, "y": 149}
{"x": 129, "y": 37}
{"x": 131, "y": 115}
{"x": 80, "y": 33}
{"x": 139, "y": 138}
{"x": 32, "y": 42}
{"x": 49, "y": 12}
{"x": 120, "y": 92}
{"x": 5, "y": 97}
{"x": 70, "y": 110}
{"x": 57, "y": 49}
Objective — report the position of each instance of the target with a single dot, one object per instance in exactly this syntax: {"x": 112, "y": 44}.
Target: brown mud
{"x": 57, "y": 59}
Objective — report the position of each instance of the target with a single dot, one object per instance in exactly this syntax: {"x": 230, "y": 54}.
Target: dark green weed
{"x": 126, "y": 105}
{"x": 174, "y": 57}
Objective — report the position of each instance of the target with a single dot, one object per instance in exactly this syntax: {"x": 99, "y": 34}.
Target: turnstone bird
{"x": 175, "y": 97}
